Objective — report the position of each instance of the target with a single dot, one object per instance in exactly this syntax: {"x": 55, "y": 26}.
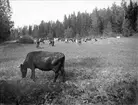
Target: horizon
{"x": 37, "y": 10}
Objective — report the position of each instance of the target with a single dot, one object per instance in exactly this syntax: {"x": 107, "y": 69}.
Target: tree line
{"x": 117, "y": 19}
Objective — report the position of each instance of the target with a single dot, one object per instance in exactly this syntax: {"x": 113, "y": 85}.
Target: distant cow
{"x": 42, "y": 40}
{"x": 37, "y": 43}
{"x": 87, "y": 39}
{"x": 78, "y": 41}
{"x": 96, "y": 40}
{"x": 51, "y": 42}
{"x": 44, "y": 61}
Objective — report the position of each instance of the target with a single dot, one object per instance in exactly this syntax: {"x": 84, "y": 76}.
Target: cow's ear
{"x": 21, "y": 65}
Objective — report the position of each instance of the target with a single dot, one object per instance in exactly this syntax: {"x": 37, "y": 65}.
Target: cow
{"x": 45, "y": 61}
{"x": 37, "y": 43}
{"x": 96, "y": 40}
{"x": 51, "y": 42}
{"x": 42, "y": 40}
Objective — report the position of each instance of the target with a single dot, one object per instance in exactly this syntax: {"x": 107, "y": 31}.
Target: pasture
{"x": 97, "y": 73}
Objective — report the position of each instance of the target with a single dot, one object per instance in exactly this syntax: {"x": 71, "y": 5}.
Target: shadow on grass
{"x": 83, "y": 68}
{"x": 85, "y": 62}
{"x": 27, "y": 92}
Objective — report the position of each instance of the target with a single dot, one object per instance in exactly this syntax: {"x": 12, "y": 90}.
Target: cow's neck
{"x": 25, "y": 64}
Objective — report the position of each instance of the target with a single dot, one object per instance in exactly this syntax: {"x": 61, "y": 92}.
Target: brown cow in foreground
{"x": 44, "y": 61}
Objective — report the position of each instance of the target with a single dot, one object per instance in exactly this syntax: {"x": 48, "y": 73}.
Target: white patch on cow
{"x": 118, "y": 37}
{"x": 66, "y": 40}
{"x": 55, "y": 39}
{"x": 45, "y": 59}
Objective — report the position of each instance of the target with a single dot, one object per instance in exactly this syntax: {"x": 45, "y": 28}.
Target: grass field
{"x": 97, "y": 73}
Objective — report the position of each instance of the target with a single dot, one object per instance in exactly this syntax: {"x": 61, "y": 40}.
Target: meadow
{"x": 97, "y": 73}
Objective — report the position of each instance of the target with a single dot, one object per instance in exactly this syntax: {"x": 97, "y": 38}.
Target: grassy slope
{"x": 95, "y": 72}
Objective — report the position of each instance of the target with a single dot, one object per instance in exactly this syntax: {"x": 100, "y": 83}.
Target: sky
{"x": 30, "y": 12}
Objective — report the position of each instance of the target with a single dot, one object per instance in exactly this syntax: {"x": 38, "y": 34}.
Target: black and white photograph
{"x": 68, "y": 52}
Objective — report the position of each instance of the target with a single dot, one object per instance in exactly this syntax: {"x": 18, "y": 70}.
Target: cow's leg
{"x": 63, "y": 73}
{"x": 56, "y": 70}
{"x": 33, "y": 73}
{"x": 56, "y": 76}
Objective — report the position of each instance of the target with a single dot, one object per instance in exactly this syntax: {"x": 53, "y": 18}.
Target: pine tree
{"x": 30, "y": 30}
{"x": 127, "y": 30}
{"x": 137, "y": 24}
{"x": 68, "y": 33}
{"x": 5, "y": 20}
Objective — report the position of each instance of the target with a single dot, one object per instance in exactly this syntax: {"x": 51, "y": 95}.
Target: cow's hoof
{"x": 34, "y": 80}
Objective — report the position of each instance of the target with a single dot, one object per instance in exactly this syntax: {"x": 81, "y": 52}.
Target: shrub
{"x": 26, "y": 40}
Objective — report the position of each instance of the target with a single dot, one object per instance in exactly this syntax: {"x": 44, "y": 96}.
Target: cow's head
{"x": 23, "y": 70}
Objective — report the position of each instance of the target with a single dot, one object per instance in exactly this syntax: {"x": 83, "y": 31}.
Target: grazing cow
{"x": 88, "y": 39}
{"x": 95, "y": 40}
{"x": 42, "y": 40}
{"x": 66, "y": 40}
{"x": 51, "y": 42}
{"x": 79, "y": 42}
{"x": 44, "y": 61}
{"x": 37, "y": 43}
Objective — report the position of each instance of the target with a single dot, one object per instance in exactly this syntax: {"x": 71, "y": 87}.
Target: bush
{"x": 26, "y": 40}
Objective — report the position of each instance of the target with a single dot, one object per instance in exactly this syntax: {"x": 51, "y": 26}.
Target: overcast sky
{"x": 31, "y": 12}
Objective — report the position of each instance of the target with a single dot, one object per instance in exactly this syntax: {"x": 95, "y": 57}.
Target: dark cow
{"x": 87, "y": 39}
{"x": 79, "y": 42}
{"x": 96, "y": 40}
{"x": 42, "y": 40}
{"x": 44, "y": 61}
{"x": 37, "y": 43}
{"x": 51, "y": 42}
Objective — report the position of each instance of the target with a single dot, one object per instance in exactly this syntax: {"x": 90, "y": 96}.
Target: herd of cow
{"x": 52, "y": 42}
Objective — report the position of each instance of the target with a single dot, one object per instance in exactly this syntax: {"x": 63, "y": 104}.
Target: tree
{"x": 130, "y": 18}
{"x": 35, "y": 31}
{"x": 50, "y": 36}
{"x": 30, "y": 30}
{"x": 59, "y": 29}
{"x": 42, "y": 32}
{"x": 117, "y": 18}
{"x": 5, "y": 20}
{"x": 127, "y": 30}
{"x": 108, "y": 29}
{"x": 25, "y": 30}
{"x": 68, "y": 33}
{"x": 97, "y": 23}
{"x": 137, "y": 24}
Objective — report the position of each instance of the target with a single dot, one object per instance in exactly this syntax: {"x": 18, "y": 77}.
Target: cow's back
{"x": 43, "y": 59}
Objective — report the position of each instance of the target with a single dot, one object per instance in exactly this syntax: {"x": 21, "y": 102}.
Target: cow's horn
{"x": 18, "y": 66}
